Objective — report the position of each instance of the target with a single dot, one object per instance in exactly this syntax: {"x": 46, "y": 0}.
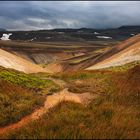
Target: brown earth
{"x": 46, "y": 52}
{"x": 126, "y": 52}
{"x": 12, "y": 61}
{"x": 56, "y": 56}
{"x": 130, "y": 46}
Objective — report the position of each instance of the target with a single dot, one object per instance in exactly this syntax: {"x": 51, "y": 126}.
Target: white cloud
{"x": 70, "y": 14}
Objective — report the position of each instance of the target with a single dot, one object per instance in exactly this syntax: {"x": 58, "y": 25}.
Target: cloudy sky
{"x": 33, "y": 15}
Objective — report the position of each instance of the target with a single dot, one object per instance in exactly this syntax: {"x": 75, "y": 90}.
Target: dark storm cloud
{"x": 73, "y": 14}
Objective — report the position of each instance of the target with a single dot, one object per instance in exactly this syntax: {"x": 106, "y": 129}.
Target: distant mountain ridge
{"x": 2, "y": 29}
{"x": 80, "y": 29}
{"x": 71, "y": 34}
{"x": 130, "y": 27}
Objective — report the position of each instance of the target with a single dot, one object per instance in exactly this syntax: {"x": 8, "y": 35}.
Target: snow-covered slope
{"x": 6, "y": 36}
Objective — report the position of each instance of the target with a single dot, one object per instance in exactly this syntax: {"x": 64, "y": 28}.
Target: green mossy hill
{"x": 28, "y": 81}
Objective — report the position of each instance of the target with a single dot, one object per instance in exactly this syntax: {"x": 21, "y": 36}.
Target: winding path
{"x": 51, "y": 101}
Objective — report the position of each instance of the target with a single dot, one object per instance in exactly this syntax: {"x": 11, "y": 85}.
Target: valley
{"x": 70, "y": 84}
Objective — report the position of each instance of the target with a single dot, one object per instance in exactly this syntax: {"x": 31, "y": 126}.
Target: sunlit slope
{"x": 126, "y": 52}
{"x": 9, "y": 60}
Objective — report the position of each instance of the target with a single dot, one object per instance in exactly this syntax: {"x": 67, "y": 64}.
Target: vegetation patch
{"x": 16, "y": 102}
{"x": 81, "y": 75}
{"x": 124, "y": 67}
{"x": 21, "y": 93}
{"x": 31, "y": 82}
{"x": 114, "y": 114}
{"x": 105, "y": 120}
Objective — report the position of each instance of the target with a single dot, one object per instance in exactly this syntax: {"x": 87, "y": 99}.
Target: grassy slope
{"x": 30, "y": 82}
{"x": 20, "y": 94}
{"x": 124, "y": 67}
{"x": 16, "y": 102}
{"x": 114, "y": 114}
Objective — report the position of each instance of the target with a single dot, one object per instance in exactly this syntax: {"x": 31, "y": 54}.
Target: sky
{"x": 34, "y": 15}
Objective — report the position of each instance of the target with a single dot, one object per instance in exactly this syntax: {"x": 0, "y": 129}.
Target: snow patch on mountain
{"x": 104, "y": 37}
{"x": 6, "y": 36}
{"x": 96, "y": 33}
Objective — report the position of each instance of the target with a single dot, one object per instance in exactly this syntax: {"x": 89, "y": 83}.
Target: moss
{"x": 124, "y": 67}
{"x": 31, "y": 82}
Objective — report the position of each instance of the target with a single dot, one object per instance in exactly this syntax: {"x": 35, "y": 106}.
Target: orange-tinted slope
{"x": 9, "y": 60}
{"x": 126, "y": 52}
{"x": 89, "y": 63}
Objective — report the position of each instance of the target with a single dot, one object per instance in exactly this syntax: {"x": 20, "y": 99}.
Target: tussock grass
{"x": 21, "y": 93}
{"x": 16, "y": 102}
{"x": 80, "y": 75}
{"x": 87, "y": 81}
{"x": 100, "y": 120}
{"x": 114, "y": 114}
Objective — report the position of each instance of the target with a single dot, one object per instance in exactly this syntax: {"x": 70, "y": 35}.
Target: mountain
{"x": 2, "y": 29}
{"x": 69, "y": 49}
{"x": 9, "y": 60}
{"x": 82, "y": 34}
{"x": 136, "y": 27}
{"x": 126, "y": 52}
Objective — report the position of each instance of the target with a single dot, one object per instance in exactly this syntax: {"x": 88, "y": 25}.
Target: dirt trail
{"x": 50, "y": 102}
